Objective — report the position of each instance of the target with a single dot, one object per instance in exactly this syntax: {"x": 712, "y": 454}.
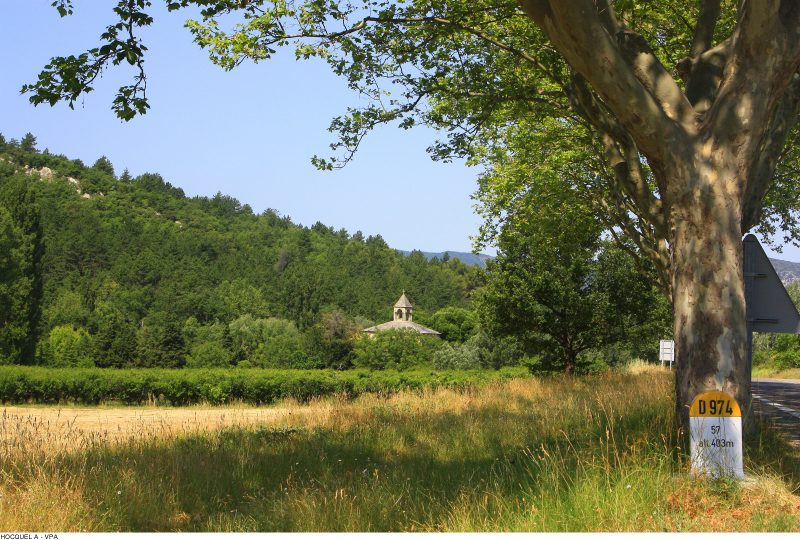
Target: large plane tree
{"x": 682, "y": 114}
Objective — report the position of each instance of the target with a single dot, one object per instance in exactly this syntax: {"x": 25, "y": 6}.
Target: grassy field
{"x": 594, "y": 453}
{"x": 775, "y": 373}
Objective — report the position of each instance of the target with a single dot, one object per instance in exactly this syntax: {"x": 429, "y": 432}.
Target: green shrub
{"x": 533, "y": 364}
{"x": 284, "y": 351}
{"x": 787, "y": 342}
{"x": 466, "y": 356}
{"x": 455, "y": 323}
{"x": 761, "y": 358}
{"x": 331, "y": 341}
{"x": 600, "y": 359}
{"x": 497, "y": 352}
{"x": 67, "y": 346}
{"x": 787, "y": 359}
{"x": 209, "y": 354}
{"x": 27, "y": 384}
{"x": 160, "y": 342}
{"x": 395, "y": 349}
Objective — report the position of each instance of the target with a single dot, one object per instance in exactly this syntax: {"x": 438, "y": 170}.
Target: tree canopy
{"x": 562, "y": 288}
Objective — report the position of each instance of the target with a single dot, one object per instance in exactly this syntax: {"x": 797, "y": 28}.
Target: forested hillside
{"x": 129, "y": 271}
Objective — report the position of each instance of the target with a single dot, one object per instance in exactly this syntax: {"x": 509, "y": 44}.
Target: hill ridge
{"x": 788, "y": 271}
{"x": 469, "y": 258}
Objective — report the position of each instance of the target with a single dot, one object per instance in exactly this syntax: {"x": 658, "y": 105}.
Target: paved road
{"x": 779, "y": 400}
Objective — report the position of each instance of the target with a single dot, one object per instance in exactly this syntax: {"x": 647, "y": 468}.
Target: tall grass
{"x": 772, "y": 372}
{"x": 558, "y": 454}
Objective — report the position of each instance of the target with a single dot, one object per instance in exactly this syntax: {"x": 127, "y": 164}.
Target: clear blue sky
{"x": 248, "y": 133}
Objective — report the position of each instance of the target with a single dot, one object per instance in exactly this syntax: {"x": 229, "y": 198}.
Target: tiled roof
{"x": 401, "y": 325}
{"x": 403, "y": 302}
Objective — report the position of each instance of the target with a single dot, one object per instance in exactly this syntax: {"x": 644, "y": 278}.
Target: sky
{"x": 249, "y": 133}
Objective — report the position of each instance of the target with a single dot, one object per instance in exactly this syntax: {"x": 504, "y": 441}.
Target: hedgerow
{"x": 26, "y": 384}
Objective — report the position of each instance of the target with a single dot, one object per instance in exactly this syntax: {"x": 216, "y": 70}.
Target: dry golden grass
{"x": 556, "y": 454}
{"x": 58, "y": 429}
{"x": 638, "y": 367}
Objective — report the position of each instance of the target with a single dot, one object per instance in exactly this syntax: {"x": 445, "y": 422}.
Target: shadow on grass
{"x": 768, "y": 449}
{"x": 384, "y": 475}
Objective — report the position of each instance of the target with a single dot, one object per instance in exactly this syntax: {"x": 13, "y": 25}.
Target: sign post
{"x": 666, "y": 352}
{"x": 715, "y": 421}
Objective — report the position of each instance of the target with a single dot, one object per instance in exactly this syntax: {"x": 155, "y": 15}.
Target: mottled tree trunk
{"x": 708, "y": 286}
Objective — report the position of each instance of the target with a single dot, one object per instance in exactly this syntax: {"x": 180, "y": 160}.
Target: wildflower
{"x": 628, "y": 486}
{"x": 119, "y": 492}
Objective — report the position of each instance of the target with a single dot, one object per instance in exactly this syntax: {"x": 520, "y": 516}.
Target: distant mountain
{"x": 788, "y": 271}
{"x": 467, "y": 258}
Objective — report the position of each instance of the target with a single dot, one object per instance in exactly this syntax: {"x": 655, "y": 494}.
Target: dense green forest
{"x": 106, "y": 270}
{"x": 126, "y": 271}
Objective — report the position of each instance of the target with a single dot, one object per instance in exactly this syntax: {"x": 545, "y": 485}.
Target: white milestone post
{"x": 715, "y": 422}
{"x": 666, "y": 352}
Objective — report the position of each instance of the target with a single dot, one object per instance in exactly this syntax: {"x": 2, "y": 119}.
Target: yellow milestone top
{"x": 714, "y": 403}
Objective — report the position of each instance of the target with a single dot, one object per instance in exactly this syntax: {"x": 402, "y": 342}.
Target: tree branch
{"x": 785, "y": 118}
{"x": 765, "y": 55}
{"x": 655, "y": 78}
{"x": 575, "y": 29}
{"x": 704, "y": 30}
{"x": 703, "y": 74}
{"x": 645, "y": 241}
{"x": 607, "y": 16}
{"x": 622, "y": 155}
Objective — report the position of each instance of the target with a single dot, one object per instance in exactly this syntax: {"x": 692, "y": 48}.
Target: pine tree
{"x": 104, "y": 164}
{"x": 28, "y": 143}
{"x": 115, "y": 341}
{"x": 20, "y": 271}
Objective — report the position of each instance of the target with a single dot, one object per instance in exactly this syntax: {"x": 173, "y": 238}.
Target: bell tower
{"x": 402, "y": 309}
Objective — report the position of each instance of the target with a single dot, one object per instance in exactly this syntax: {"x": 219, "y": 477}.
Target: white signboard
{"x": 666, "y": 351}
{"x": 715, "y": 421}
